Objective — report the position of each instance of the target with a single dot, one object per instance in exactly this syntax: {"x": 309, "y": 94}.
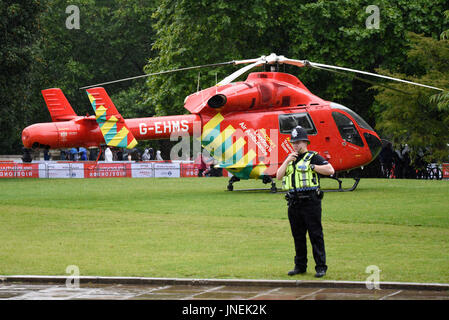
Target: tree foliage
{"x": 198, "y": 32}
{"x": 113, "y": 41}
{"x": 445, "y": 34}
{"x": 442, "y": 99}
{"x": 412, "y": 117}
{"x": 18, "y": 31}
{"x": 38, "y": 51}
{"x": 117, "y": 39}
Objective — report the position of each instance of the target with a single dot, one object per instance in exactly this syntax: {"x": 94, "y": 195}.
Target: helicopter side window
{"x": 347, "y": 129}
{"x": 288, "y": 121}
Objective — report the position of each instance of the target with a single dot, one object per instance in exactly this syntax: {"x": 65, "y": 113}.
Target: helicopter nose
{"x": 26, "y": 137}
{"x": 374, "y": 144}
{"x": 38, "y": 135}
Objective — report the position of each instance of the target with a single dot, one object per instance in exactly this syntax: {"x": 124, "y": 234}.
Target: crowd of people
{"x": 400, "y": 164}
{"x": 107, "y": 154}
{"x": 206, "y": 164}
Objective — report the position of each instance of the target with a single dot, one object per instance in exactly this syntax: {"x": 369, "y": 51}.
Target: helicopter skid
{"x": 265, "y": 180}
{"x": 340, "y": 188}
{"x": 274, "y": 189}
{"x": 257, "y": 190}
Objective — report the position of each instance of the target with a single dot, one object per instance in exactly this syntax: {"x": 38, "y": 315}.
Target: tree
{"x": 445, "y": 34}
{"x": 113, "y": 41}
{"x": 117, "y": 38}
{"x": 411, "y": 117}
{"x": 200, "y": 32}
{"x": 18, "y": 31}
{"x": 39, "y": 51}
{"x": 442, "y": 99}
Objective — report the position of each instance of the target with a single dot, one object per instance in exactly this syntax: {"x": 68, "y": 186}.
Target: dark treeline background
{"x": 119, "y": 39}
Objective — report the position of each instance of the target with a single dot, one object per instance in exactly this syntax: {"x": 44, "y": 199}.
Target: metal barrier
{"x": 88, "y": 169}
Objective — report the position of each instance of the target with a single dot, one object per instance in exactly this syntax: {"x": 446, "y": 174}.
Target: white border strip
{"x": 230, "y": 282}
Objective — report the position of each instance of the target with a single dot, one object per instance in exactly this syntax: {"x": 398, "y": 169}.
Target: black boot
{"x": 297, "y": 270}
{"x": 300, "y": 267}
{"x": 320, "y": 272}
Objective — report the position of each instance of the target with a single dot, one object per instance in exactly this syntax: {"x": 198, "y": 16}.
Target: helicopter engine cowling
{"x": 237, "y": 97}
{"x": 260, "y": 91}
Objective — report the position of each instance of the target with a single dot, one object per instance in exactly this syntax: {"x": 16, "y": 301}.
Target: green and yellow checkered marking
{"x": 230, "y": 155}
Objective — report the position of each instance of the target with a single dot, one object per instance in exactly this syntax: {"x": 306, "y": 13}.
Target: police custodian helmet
{"x": 299, "y": 134}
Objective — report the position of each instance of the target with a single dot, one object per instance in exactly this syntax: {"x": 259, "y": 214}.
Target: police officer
{"x": 299, "y": 174}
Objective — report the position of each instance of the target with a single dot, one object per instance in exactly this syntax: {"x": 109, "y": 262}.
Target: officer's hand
{"x": 292, "y": 156}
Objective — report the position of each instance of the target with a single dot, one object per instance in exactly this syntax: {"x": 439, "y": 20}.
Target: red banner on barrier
{"x": 189, "y": 170}
{"x": 445, "y": 170}
{"x": 19, "y": 170}
{"x": 7, "y": 170}
{"x": 107, "y": 170}
{"x": 30, "y": 170}
{"x": 91, "y": 169}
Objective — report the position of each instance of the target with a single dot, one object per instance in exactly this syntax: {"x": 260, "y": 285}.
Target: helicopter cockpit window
{"x": 347, "y": 129}
{"x": 362, "y": 123}
{"x": 288, "y": 121}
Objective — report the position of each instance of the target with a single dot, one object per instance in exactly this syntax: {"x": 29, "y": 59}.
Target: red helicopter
{"x": 245, "y": 125}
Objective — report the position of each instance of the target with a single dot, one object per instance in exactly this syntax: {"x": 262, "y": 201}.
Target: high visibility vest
{"x": 301, "y": 177}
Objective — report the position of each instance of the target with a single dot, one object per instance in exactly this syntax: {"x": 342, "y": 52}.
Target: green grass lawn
{"x": 193, "y": 228}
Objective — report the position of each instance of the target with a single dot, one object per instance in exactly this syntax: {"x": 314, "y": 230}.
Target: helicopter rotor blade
{"x": 305, "y": 63}
{"x": 362, "y": 79}
{"x": 271, "y": 59}
{"x": 160, "y": 72}
{"x": 239, "y": 72}
{"x": 265, "y": 59}
{"x": 248, "y": 60}
{"x": 298, "y": 63}
{"x": 324, "y": 66}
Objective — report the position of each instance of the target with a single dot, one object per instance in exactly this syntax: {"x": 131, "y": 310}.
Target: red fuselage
{"x": 255, "y": 118}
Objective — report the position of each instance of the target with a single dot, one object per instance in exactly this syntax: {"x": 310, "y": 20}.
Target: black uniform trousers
{"x": 305, "y": 216}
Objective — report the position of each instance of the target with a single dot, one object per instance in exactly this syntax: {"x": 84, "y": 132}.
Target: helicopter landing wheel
{"x": 27, "y": 157}
{"x": 273, "y": 187}
{"x": 268, "y": 179}
{"x": 231, "y": 181}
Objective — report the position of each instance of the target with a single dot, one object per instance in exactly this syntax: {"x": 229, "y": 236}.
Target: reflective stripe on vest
{"x": 303, "y": 178}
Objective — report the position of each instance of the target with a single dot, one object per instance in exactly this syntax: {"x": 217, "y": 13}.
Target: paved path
{"x": 102, "y": 288}
{"x": 23, "y": 291}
